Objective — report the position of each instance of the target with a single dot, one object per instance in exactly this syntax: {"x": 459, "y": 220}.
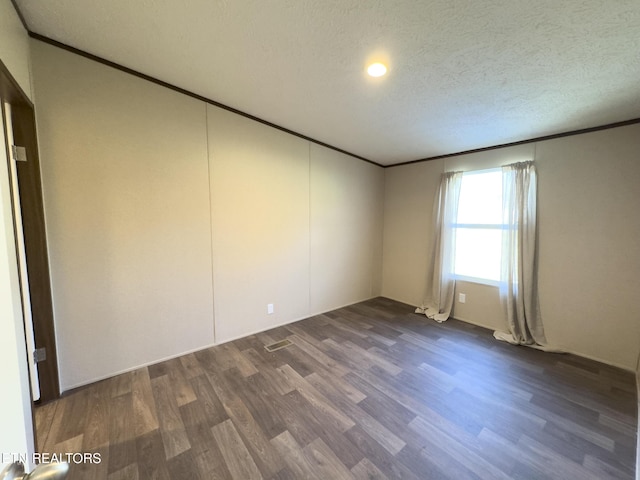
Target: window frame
{"x": 480, "y": 226}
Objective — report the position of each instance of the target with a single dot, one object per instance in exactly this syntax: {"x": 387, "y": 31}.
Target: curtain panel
{"x": 519, "y": 266}
{"x": 439, "y": 298}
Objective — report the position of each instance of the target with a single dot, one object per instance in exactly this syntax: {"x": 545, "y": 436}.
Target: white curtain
{"x": 519, "y": 275}
{"x": 439, "y": 300}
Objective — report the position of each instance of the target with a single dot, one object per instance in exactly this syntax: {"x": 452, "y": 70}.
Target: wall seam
{"x": 380, "y": 268}
{"x": 213, "y": 297}
{"x": 309, "y": 206}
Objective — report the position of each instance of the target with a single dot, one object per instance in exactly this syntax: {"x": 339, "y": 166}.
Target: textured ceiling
{"x": 463, "y": 74}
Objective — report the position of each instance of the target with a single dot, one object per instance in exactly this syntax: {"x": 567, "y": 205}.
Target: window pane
{"x": 481, "y": 198}
{"x": 478, "y": 252}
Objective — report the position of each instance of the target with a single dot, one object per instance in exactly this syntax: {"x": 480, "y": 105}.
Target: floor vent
{"x": 278, "y": 345}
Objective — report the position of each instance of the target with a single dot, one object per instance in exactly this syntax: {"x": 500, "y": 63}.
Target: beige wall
{"x": 295, "y": 225}
{"x": 14, "y": 46}
{"x": 126, "y": 192}
{"x": 588, "y": 227}
{"x": 346, "y": 229}
{"x": 16, "y": 424}
{"x": 408, "y": 205}
{"x": 260, "y": 207}
{"x": 168, "y": 218}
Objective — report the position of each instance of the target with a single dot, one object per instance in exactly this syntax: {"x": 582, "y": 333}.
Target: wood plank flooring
{"x": 368, "y": 391}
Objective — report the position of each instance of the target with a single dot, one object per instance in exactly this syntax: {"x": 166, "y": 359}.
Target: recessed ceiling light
{"x": 376, "y": 69}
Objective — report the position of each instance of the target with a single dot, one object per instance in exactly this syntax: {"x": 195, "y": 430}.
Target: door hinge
{"x": 39, "y": 355}
{"x": 19, "y": 153}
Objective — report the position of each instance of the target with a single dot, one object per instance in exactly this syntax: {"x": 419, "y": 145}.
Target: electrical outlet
{"x": 462, "y": 297}
{"x": 270, "y": 309}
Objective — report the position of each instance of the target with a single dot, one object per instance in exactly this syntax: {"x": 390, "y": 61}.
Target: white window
{"x": 479, "y": 227}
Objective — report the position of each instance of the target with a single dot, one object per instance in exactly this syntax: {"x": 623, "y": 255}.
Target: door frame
{"x": 34, "y": 232}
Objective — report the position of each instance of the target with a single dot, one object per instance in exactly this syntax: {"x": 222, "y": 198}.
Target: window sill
{"x": 482, "y": 281}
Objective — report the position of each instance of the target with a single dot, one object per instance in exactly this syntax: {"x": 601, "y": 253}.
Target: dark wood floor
{"x": 367, "y": 391}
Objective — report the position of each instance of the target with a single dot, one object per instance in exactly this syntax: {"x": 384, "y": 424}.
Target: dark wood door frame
{"x": 33, "y": 226}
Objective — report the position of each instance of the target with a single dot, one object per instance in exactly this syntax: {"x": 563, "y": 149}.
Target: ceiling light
{"x": 376, "y": 69}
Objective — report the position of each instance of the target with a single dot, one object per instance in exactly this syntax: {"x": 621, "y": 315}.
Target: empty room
{"x": 323, "y": 240}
